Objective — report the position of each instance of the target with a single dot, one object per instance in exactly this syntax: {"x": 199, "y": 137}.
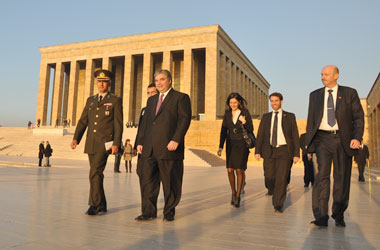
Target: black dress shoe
{"x": 320, "y": 223}
{"x": 361, "y": 179}
{"x": 278, "y": 209}
{"x": 145, "y": 217}
{"x": 117, "y": 171}
{"x": 169, "y": 217}
{"x": 233, "y": 199}
{"x": 237, "y": 202}
{"x": 101, "y": 210}
{"x": 340, "y": 223}
{"x": 91, "y": 210}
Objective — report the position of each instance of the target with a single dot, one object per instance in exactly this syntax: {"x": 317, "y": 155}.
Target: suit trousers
{"x": 308, "y": 172}
{"x": 98, "y": 163}
{"x": 276, "y": 171}
{"x": 361, "y": 166}
{"x": 329, "y": 149}
{"x": 151, "y": 171}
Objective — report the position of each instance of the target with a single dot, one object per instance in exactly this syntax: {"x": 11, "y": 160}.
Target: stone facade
{"x": 373, "y": 116}
{"x": 204, "y": 61}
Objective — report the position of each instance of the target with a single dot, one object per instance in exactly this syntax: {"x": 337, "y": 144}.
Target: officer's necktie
{"x": 274, "y": 130}
{"x": 330, "y": 109}
{"x": 159, "y": 103}
{"x": 100, "y": 98}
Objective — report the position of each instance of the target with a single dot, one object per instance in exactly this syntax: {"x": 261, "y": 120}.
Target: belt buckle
{"x": 333, "y": 132}
{"x": 234, "y": 130}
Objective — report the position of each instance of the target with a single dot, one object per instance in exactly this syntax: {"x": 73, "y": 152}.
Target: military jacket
{"x": 104, "y": 121}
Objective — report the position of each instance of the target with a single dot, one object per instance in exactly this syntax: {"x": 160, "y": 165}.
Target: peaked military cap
{"x": 103, "y": 75}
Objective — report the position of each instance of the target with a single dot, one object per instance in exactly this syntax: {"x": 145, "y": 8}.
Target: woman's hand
{"x": 219, "y": 152}
{"x": 242, "y": 119}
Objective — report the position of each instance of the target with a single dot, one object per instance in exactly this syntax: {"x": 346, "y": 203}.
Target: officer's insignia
{"x": 102, "y": 74}
{"x": 107, "y": 113}
{"x": 91, "y": 104}
{"x": 107, "y": 104}
{"x": 339, "y": 97}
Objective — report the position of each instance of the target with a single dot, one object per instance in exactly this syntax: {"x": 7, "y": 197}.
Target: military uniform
{"x": 104, "y": 120}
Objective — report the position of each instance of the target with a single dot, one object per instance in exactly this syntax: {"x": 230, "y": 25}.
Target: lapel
{"x": 164, "y": 103}
{"x": 320, "y": 104}
{"x": 284, "y": 119}
{"x": 338, "y": 99}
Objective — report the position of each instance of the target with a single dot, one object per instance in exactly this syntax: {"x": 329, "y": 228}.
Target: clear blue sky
{"x": 288, "y": 41}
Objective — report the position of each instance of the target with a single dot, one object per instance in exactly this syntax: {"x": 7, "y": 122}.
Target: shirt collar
{"x": 278, "y": 110}
{"x": 334, "y": 89}
{"x": 165, "y": 94}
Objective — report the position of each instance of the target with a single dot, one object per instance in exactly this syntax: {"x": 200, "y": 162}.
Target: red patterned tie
{"x": 159, "y": 103}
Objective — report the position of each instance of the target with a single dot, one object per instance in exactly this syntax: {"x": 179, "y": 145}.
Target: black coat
{"x": 170, "y": 124}
{"x": 348, "y": 112}
{"x": 41, "y": 150}
{"x": 48, "y": 151}
{"x": 290, "y": 130}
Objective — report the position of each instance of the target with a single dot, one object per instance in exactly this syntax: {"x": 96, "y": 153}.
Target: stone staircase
{"x": 19, "y": 141}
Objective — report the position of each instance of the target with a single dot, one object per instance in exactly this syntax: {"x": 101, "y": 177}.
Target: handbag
{"x": 249, "y": 138}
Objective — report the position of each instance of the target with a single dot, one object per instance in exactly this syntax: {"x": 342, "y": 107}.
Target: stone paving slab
{"x": 43, "y": 208}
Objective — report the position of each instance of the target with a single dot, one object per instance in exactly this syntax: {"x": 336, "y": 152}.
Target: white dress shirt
{"x": 324, "y": 124}
{"x": 280, "y": 134}
{"x": 165, "y": 94}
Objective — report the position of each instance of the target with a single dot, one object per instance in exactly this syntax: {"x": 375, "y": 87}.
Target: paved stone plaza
{"x": 43, "y": 208}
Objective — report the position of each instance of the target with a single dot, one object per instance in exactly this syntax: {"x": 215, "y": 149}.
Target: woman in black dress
{"x": 236, "y": 116}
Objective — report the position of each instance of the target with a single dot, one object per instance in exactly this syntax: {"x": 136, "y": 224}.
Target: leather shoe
{"x": 340, "y": 223}
{"x": 169, "y": 217}
{"x": 278, "y": 209}
{"x": 91, "y": 210}
{"x": 101, "y": 210}
{"x": 320, "y": 223}
{"x": 145, "y": 217}
{"x": 116, "y": 171}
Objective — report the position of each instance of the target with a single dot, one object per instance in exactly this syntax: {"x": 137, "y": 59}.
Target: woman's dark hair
{"x": 239, "y": 98}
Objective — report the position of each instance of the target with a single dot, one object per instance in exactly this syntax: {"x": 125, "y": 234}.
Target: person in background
{"x": 41, "y": 151}
{"x": 361, "y": 157}
{"x": 48, "y": 154}
{"x": 128, "y": 151}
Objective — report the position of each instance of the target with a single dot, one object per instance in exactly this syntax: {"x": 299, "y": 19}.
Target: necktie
{"x": 330, "y": 109}
{"x": 159, "y": 103}
{"x": 100, "y": 98}
{"x": 274, "y": 130}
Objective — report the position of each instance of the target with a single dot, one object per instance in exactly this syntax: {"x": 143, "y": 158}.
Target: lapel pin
{"x": 339, "y": 97}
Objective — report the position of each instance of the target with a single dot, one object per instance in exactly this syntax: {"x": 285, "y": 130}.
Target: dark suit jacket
{"x": 290, "y": 130}
{"x": 139, "y": 126}
{"x": 170, "y": 124}
{"x": 104, "y": 121}
{"x": 348, "y": 112}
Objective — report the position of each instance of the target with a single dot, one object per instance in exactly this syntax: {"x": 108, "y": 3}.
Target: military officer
{"x": 103, "y": 116}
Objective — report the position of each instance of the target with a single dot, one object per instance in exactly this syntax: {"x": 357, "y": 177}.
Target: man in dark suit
{"x": 278, "y": 143}
{"x": 151, "y": 91}
{"x": 161, "y": 142}
{"x": 41, "y": 151}
{"x": 335, "y": 126}
{"x": 361, "y": 158}
{"x": 307, "y": 162}
{"x": 103, "y": 116}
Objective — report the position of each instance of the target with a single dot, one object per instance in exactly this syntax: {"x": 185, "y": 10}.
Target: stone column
{"x": 56, "y": 109}
{"x": 167, "y": 60}
{"x": 211, "y": 82}
{"x": 72, "y": 90}
{"x": 147, "y": 76}
{"x": 65, "y": 96}
{"x": 106, "y": 63}
{"x": 43, "y": 92}
{"x": 89, "y": 79}
{"x": 228, "y": 79}
{"x": 222, "y": 83}
{"x": 128, "y": 88}
{"x": 187, "y": 70}
{"x": 377, "y": 136}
